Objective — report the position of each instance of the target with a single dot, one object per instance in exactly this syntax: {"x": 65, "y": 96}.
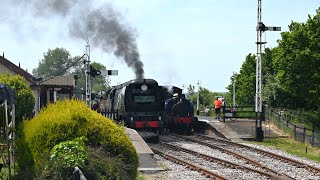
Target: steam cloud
{"x": 102, "y": 26}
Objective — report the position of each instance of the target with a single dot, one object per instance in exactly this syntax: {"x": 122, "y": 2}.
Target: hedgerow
{"x": 65, "y": 121}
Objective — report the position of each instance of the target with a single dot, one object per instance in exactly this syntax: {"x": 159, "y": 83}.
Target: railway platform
{"x": 240, "y": 129}
{"x": 146, "y": 160}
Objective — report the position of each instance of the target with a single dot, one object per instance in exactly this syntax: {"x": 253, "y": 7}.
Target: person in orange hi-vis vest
{"x": 217, "y": 105}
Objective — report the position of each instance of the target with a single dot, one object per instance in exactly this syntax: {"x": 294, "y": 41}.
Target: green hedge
{"x": 65, "y": 121}
{"x": 24, "y": 98}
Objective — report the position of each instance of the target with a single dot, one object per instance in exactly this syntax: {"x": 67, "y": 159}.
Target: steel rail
{"x": 256, "y": 163}
{"x": 221, "y": 161}
{"x": 270, "y": 154}
{"x": 203, "y": 171}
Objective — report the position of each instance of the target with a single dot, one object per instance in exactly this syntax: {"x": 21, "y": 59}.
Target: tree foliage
{"x": 245, "y": 82}
{"x": 99, "y": 83}
{"x": 55, "y": 62}
{"x": 206, "y": 97}
{"x": 58, "y": 62}
{"x": 297, "y": 61}
{"x": 24, "y": 98}
{"x": 290, "y": 70}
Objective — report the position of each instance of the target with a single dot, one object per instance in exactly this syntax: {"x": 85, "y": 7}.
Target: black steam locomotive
{"x": 138, "y": 103}
{"x": 179, "y": 111}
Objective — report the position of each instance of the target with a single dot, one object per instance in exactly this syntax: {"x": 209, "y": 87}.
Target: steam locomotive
{"x": 179, "y": 111}
{"x": 138, "y": 103}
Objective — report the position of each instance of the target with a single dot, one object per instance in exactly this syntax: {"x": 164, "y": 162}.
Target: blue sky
{"x": 180, "y": 41}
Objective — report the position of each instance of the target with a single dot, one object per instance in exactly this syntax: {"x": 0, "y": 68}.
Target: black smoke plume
{"x": 103, "y": 26}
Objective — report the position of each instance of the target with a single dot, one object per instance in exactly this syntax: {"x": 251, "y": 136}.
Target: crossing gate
{"x": 7, "y": 129}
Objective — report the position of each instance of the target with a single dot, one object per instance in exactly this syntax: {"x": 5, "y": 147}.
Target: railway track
{"x": 269, "y": 162}
{"x": 190, "y": 165}
{"x": 263, "y": 152}
{"x": 209, "y": 166}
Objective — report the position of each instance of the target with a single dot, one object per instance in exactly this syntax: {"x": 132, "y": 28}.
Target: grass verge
{"x": 292, "y": 147}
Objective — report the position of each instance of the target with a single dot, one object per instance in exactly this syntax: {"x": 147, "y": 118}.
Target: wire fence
{"x": 293, "y": 125}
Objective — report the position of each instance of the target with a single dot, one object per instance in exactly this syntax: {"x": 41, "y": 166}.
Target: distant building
{"x": 55, "y": 88}
{"x": 44, "y": 90}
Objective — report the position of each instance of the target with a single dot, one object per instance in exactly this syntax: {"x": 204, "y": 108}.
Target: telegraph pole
{"x": 88, "y": 75}
{"x": 261, "y": 28}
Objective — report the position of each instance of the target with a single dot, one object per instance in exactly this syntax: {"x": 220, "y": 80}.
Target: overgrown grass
{"x": 292, "y": 147}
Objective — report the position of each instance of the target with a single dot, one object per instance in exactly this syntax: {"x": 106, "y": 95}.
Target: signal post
{"x": 91, "y": 72}
{"x": 261, "y": 28}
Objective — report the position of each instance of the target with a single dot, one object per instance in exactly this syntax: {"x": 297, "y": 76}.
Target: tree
{"x": 297, "y": 62}
{"x": 24, "y": 97}
{"x": 55, "y": 62}
{"x": 229, "y": 94}
{"x": 205, "y": 96}
{"x": 59, "y": 62}
{"x": 191, "y": 94}
{"x": 99, "y": 83}
{"x": 246, "y": 82}
{"x": 290, "y": 71}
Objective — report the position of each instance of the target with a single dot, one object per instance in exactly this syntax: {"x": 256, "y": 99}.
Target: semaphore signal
{"x": 261, "y": 28}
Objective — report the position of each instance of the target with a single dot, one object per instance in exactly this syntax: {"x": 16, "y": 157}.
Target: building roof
{"x": 68, "y": 80}
{"x": 17, "y": 69}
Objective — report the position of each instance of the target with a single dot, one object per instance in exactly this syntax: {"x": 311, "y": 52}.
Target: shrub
{"x": 100, "y": 165}
{"x": 68, "y": 154}
{"x": 24, "y": 98}
{"x": 65, "y": 121}
{"x": 63, "y": 158}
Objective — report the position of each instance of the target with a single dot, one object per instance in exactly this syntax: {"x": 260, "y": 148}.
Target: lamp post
{"x": 198, "y": 112}
{"x": 234, "y": 93}
{"x": 183, "y": 86}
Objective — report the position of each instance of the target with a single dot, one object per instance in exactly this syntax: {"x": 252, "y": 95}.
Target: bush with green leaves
{"x": 24, "y": 98}
{"x": 65, "y": 121}
{"x": 69, "y": 154}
